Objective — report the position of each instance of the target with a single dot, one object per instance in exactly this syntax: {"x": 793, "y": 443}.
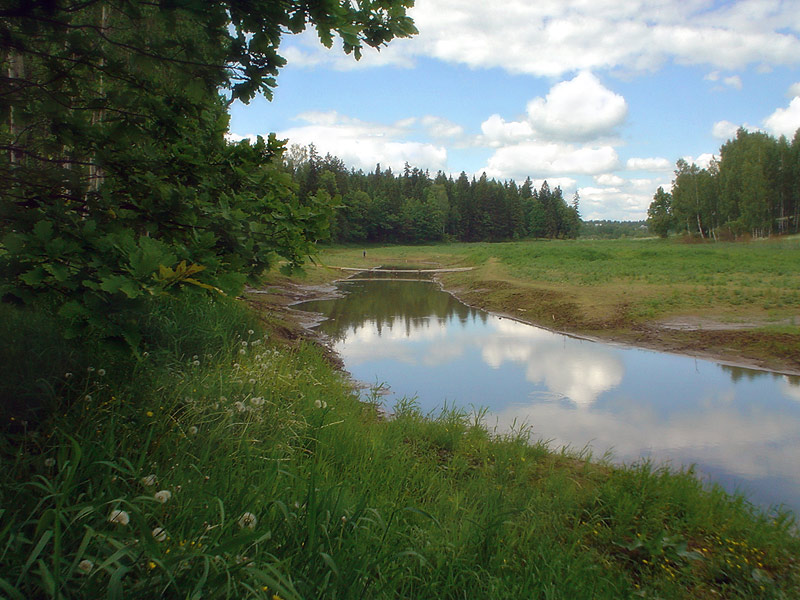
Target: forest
{"x": 412, "y": 206}
{"x": 752, "y": 189}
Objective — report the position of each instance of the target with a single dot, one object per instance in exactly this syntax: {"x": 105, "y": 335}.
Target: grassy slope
{"x": 622, "y": 289}
{"x": 230, "y": 422}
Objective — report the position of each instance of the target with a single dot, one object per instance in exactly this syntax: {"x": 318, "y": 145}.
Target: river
{"x": 739, "y": 427}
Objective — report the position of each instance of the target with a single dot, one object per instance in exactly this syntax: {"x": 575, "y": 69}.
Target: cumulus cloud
{"x": 362, "y": 144}
{"x": 794, "y": 90}
{"x": 724, "y": 130}
{"x": 609, "y": 179}
{"x": 626, "y": 202}
{"x": 785, "y": 121}
{"x": 648, "y": 164}
{"x": 441, "y": 128}
{"x": 578, "y": 109}
{"x": 542, "y": 159}
{"x": 733, "y": 81}
{"x": 550, "y": 38}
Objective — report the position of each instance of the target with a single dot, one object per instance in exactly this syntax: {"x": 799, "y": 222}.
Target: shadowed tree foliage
{"x": 117, "y": 180}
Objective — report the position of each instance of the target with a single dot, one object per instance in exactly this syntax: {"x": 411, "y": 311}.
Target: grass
{"x": 279, "y": 482}
{"x": 620, "y": 288}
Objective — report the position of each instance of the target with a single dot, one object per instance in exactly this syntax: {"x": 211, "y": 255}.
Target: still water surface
{"x": 740, "y": 427}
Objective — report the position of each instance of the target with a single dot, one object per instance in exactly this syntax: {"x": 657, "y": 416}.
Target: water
{"x": 740, "y": 427}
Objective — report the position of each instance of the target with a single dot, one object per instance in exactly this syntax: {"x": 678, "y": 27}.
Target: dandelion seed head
{"x": 251, "y": 381}
{"x": 242, "y": 351}
{"x": 67, "y": 375}
{"x": 159, "y": 534}
{"x": 149, "y": 480}
{"x": 247, "y": 521}
{"x": 162, "y": 495}
{"x": 257, "y": 401}
{"x": 240, "y": 406}
{"x": 119, "y": 516}
{"x": 318, "y": 403}
{"x": 250, "y": 331}
{"x": 101, "y": 372}
{"x": 193, "y": 430}
{"x": 85, "y": 566}
{"x": 244, "y": 344}
{"x": 196, "y": 363}
{"x": 50, "y": 462}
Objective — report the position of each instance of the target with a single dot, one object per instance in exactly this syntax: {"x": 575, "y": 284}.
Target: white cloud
{"x": 498, "y": 132}
{"x": 785, "y": 121}
{"x": 724, "y": 130}
{"x": 542, "y": 159}
{"x": 626, "y": 202}
{"x": 578, "y": 109}
{"x": 794, "y": 90}
{"x": 552, "y": 37}
{"x": 361, "y": 144}
{"x": 609, "y": 179}
{"x": 703, "y": 161}
{"x": 733, "y": 81}
{"x": 648, "y": 164}
{"x": 441, "y": 128}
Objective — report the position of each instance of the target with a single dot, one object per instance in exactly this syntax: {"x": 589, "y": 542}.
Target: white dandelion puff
{"x": 247, "y": 520}
{"x": 240, "y": 406}
{"x": 162, "y": 495}
{"x": 193, "y": 430}
{"x": 101, "y": 372}
{"x": 250, "y": 331}
{"x": 159, "y": 534}
{"x": 149, "y": 480}
{"x": 85, "y": 566}
{"x": 119, "y": 516}
{"x": 257, "y": 401}
{"x": 49, "y": 462}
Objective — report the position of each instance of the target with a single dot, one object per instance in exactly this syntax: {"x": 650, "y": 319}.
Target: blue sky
{"x": 598, "y": 96}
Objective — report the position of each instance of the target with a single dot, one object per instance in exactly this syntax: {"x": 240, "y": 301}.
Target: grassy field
{"x": 230, "y": 462}
{"x": 742, "y": 300}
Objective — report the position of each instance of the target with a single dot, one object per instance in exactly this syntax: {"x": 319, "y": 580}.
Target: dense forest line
{"x": 413, "y": 206}
{"x": 752, "y": 189}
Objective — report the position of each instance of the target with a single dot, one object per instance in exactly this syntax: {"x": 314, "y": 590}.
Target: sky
{"x": 601, "y": 97}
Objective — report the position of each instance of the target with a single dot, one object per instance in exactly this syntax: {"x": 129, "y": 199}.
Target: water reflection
{"x": 740, "y": 427}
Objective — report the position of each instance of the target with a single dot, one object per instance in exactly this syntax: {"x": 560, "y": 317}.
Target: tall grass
{"x": 223, "y": 464}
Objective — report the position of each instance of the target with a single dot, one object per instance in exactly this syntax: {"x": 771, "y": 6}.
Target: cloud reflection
{"x": 578, "y": 372}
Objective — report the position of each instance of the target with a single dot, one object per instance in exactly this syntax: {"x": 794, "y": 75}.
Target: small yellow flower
{"x": 151, "y": 565}
{"x": 149, "y": 413}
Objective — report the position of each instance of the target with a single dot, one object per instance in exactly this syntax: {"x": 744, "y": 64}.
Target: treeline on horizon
{"x": 752, "y": 189}
{"x": 413, "y": 207}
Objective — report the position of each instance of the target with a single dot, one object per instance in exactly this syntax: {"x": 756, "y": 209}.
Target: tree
{"x": 118, "y": 181}
{"x": 659, "y": 214}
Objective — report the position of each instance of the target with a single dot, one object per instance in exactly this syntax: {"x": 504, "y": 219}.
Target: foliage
{"x": 114, "y": 161}
{"x": 414, "y": 207}
{"x": 249, "y": 469}
{"x": 753, "y": 189}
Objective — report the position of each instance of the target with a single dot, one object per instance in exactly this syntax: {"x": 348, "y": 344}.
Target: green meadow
{"x": 227, "y": 460}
